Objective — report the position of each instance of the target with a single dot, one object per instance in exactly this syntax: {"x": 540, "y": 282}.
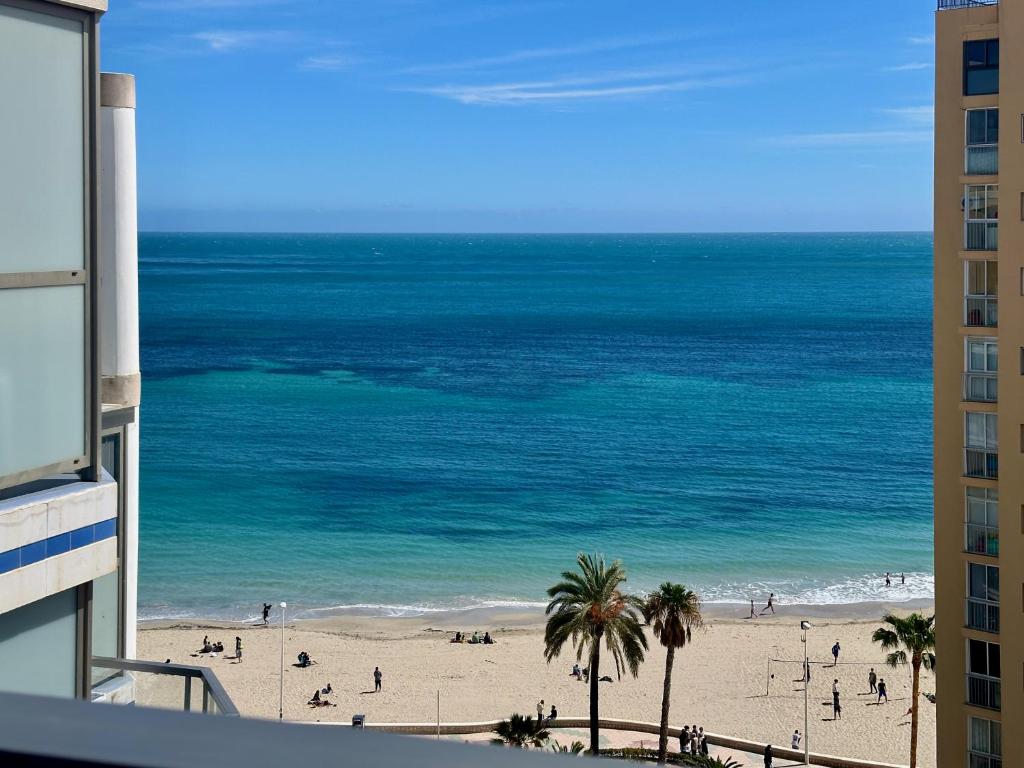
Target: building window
{"x": 981, "y": 445}
{"x": 981, "y": 217}
{"x": 983, "y": 672}
{"x": 982, "y": 141}
{"x": 982, "y": 363}
{"x": 986, "y": 743}
{"x": 981, "y": 67}
{"x": 983, "y": 597}
{"x": 982, "y": 526}
{"x": 981, "y": 288}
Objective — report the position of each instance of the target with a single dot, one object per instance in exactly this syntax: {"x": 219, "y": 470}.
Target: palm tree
{"x": 522, "y": 732}
{"x": 572, "y": 749}
{"x": 914, "y": 635}
{"x": 587, "y": 606}
{"x": 674, "y": 612}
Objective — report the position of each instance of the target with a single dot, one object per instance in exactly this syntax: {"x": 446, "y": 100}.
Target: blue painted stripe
{"x": 57, "y": 545}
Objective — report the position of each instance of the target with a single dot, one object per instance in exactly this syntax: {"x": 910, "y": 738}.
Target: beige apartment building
{"x": 979, "y": 382}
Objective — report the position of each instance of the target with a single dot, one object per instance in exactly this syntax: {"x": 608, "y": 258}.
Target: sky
{"x": 529, "y": 115}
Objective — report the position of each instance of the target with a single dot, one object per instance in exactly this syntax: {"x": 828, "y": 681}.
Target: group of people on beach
{"x": 460, "y": 637}
{"x": 693, "y": 741}
{"x": 213, "y": 648}
{"x": 541, "y": 717}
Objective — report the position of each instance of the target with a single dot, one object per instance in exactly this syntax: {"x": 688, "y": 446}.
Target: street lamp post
{"x": 804, "y": 626}
{"x": 280, "y": 705}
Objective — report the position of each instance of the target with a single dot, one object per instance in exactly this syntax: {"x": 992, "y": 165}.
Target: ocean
{"x": 400, "y": 424}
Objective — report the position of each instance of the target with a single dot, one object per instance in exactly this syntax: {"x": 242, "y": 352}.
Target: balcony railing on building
{"x": 164, "y": 686}
{"x": 982, "y": 159}
{"x": 945, "y": 5}
{"x": 981, "y": 236}
{"x": 980, "y": 387}
{"x": 980, "y": 462}
{"x": 982, "y": 539}
{"x": 983, "y": 615}
{"x": 984, "y": 691}
{"x": 981, "y": 311}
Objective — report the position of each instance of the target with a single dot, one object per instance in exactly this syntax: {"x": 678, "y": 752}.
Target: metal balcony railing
{"x": 983, "y": 615}
{"x": 981, "y": 236}
{"x": 980, "y": 387}
{"x": 979, "y": 462}
{"x": 171, "y": 686}
{"x": 982, "y": 159}
{"x": 984, "y": 691}
{"x": 945, "y": 5}
{"x": 981, "y": 311}
{"x": 981, "y": 539}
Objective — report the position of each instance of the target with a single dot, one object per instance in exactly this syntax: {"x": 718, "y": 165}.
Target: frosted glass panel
{"x": 38, "y": 647}
{"x": 42, "y": 376}
{"x": 41, "y": 142}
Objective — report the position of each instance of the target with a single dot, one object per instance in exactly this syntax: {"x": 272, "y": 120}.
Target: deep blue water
{"x": 441, "y": 421}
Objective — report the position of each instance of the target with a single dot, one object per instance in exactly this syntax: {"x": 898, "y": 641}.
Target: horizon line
{"x": 427, "y": 233}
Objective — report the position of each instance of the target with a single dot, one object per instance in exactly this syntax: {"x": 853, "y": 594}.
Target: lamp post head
{"x": 284, "y": 604}
{"x": 805, "y": 625}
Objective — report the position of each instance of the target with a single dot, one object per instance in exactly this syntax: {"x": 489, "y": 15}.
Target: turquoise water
{"x": 395, "y": 424}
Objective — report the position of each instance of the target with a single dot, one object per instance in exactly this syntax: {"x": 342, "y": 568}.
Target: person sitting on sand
{"x": 576, "y": 672}
{"x": 476, "y": 639}
{"x": 327, "y": 691}
{"x": 455, "y": 639}
{"x": 554, "y": 713}
{"x": 205, "y": 647}
{"x": 488, "y": 640}
{"x": 218, "y": 647}
{"x": 304, "y": 660}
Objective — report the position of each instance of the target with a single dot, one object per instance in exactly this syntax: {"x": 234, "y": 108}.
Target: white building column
{"x": 119, "y": 297}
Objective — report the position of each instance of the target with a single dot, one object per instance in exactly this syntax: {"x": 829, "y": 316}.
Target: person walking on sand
{"x": 376, "y": 679}
{"x": 883, "y": 693}
{"x": 238, "y": 650}
{"x": 266, "y": 613}
{"x": 771, "y": 604}
{"x": 835, "y": 654}
{"x": 768, "y": 756}
{"x": 837, "y": 711}
{"x": 753, "y": 613}
{"x": 872, "y": 681}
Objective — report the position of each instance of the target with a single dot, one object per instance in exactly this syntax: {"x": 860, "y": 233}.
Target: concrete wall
{"x": 632, "y": 726}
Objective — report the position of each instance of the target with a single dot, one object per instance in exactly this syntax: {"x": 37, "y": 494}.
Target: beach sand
{"x": 719, "y": 680}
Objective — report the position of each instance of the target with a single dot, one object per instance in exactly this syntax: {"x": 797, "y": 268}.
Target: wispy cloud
{"x": 853, "y": 139}
{"x": 917, "y": 114}
{"x": 328, "y": 63}
{"x": 233, "y": 40}
{"x": 921, "y": 39}
{"x": 616, "y": 85}
{"x": 913, "y": 66}
{"x": 534, "y": 54}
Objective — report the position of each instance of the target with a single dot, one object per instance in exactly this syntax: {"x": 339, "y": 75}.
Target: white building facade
{"x": 69, "y": 358}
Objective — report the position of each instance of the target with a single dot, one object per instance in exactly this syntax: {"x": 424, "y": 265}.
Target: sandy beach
{"x": 719, "y": 683}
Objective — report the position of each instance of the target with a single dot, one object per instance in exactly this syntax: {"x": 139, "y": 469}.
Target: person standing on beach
{"x": 266, "y": 613}
{"x": 771, "y": 604}
{"x": 888, "y": 579}
{"x": 768, "y": 756}
{"x": 872, "y": 681}
{"x": 903, "y": 579}
{"x": 753, "y": 613}
{"x": 796, "y": 739}
{"x": 540, "y": 710}
{"x": 835, "y": 654}
{"x": 376, "y": 679}
{"x": 238, "y": 650}
{"x": 684, "y": 740}
{"x": 882, "y": 692}
{"x": 837, "y": 711}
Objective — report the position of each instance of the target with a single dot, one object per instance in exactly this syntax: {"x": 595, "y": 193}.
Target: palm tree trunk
{"x": 916, "y": 664}
{"x": 595, "y": 665}
{"x": 670, "y": 658}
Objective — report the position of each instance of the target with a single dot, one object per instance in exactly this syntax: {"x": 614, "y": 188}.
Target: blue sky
{"x": 529, "y": 115}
